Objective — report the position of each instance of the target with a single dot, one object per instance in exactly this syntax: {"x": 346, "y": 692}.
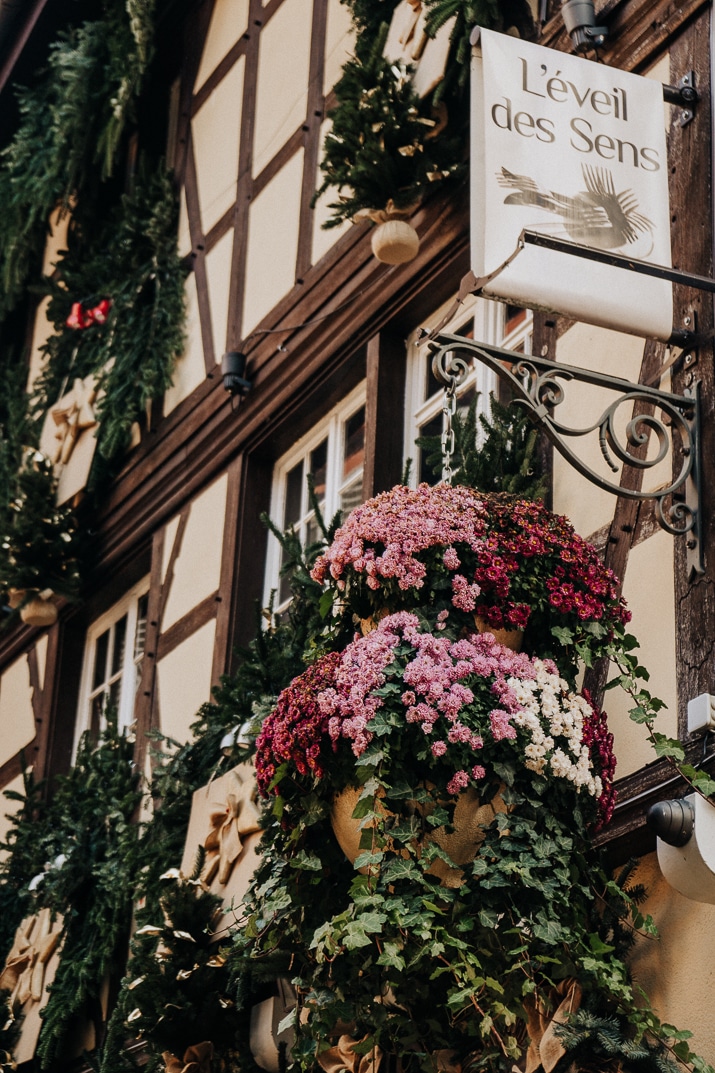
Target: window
{"x": 482, "y": 320}
{"x": 113, "y": 655}
{"x": 333, "y": 454}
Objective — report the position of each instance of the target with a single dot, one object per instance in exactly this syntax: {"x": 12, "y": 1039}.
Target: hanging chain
{"x": 449, "y": 408}
{"x": 450, "y": 369}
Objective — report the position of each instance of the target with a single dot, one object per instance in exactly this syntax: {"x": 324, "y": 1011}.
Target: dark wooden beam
{"x": 384, "y": 413}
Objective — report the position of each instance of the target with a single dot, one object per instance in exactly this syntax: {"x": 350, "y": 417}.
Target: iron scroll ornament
{"x": 539, "y": 385}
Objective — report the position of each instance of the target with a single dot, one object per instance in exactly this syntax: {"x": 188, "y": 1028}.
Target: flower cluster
{"x": 293, "y": 732}
{"x": 456, "y": 706}
{"x": 513, "y": 563}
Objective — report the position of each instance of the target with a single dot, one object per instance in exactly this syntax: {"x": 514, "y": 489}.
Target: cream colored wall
{"x": 228, "y": 23}
{"x": 282, "y": 88}
{"x": 272, "y": 243}
{"x": 189, "y": 371}
{"x": 612, "y": 353}
{"x": 184, "y": 682}
{"x": 649, "y": 593}
{"x": 17, "y": 721}
{"x": 339, "y": 42}
{"x": 215, "y": 131}
{"x": 677, "y": 971}
{"x": 218, "y": 273}
{"x": 197, "y": 570}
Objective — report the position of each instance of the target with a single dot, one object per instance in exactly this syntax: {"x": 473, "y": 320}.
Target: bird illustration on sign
{"x": 597, "y": 216}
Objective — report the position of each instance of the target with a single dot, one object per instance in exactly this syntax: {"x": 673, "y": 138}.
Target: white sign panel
{"x": 574, "y": 150}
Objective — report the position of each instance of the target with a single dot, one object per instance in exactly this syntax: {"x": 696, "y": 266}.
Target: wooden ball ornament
{"x": 395, "y": 242}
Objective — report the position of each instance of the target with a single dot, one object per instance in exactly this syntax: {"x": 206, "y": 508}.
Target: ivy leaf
{"x": 562, "y": 634}
{"x": 668, "y": 747}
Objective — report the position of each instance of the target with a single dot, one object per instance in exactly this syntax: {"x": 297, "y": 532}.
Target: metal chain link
{"x": 449, "y": 409}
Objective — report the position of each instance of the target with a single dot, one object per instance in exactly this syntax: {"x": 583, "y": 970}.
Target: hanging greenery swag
{"x": 388, "y": 149}
{"x": 120, "y": 262}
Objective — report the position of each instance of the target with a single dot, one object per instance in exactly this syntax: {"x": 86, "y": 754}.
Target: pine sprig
{"x": 495, "y": 452}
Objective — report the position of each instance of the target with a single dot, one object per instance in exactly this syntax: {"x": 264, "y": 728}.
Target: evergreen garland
{"x": 40, "y": 543}
{"x": 133, "y": 263}
{"x": 501, "y": 15}
{"x": 379, "y": 150}
{"x": 71, "y": 124}
{"x": 386, "y": 149}
{"x": 81, "y": 849}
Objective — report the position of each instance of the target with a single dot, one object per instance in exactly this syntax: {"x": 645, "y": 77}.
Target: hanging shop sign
{"x": 574, "y": 150}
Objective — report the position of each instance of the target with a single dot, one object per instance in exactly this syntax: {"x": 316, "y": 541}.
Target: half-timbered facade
{"x": 340, "y": 388}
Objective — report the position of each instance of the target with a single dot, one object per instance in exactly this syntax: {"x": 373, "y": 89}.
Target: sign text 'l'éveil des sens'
{"x": 574, "y": 150}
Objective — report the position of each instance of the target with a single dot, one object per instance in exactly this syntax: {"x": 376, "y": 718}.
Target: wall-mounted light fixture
{"x": 686, "y": 845}
{"x": 580, "y": 22}
{"x": 233, "y": 371}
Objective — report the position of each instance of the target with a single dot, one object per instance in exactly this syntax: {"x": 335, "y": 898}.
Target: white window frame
{"x": 129, "y": 675}
{"x": 330, "y": 428}
{"x": 487, "y": 320}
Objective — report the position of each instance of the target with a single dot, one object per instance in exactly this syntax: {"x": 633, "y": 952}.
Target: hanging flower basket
{"x": 445, "y": 715}
{"x": 455, "y": 553}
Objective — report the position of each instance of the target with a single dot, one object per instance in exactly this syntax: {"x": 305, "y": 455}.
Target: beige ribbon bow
{"x": 24, "y": 971}
{"x": 344, "y": 1057}
{"x": 197, "y": 1059}
{"x": 72, "y": 414}
{"x": 381, "y": 216}
{"x": 239, "y": 816}
{"x": 545, "y": 1048}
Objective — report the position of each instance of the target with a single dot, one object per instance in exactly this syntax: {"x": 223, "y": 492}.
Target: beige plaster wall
{"x": 184, "y": 682}
{"x": 228, "y": 23}
{"x": 218, "y": 273}
{"x": 648, "y": 589}
{"x": 215, "y": 131}
{"x": 617, "y": 355}
{"x": 282, "y": 88}
{"x": 339, "y": 42}
{"x": 17, "y": 721}
{"x": 677, "y": 971}
{"x": 189, "y": 371}
{"x": 197, "y": 569}
{"x": 272, "y": 243}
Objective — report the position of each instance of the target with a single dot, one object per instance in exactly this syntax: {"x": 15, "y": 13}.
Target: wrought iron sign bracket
{"x": 540, "y": 385}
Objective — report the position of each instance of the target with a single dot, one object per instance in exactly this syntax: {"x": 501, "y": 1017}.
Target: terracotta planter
{"x": 512, "y": 639}
{"x": 471, "y": 818}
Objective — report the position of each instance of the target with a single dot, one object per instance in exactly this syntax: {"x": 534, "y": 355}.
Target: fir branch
{"x": 497, "y": 452}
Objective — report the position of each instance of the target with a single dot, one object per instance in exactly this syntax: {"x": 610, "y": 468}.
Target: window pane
{"x": 95, "y": 719}
{"x": 351, "y": 496}
{"x": 140, "y": 634}
{"x": 312, "y": 530}
{"x": 100, "y": 660}
{"x": 120, "y": 641}
{"x": 319, "y": 468}
{"x": 354, "y": 444}
{"x": 294, "y": 492}
{"x": 430, "y": 428}
{"x": 114, "y": 693}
